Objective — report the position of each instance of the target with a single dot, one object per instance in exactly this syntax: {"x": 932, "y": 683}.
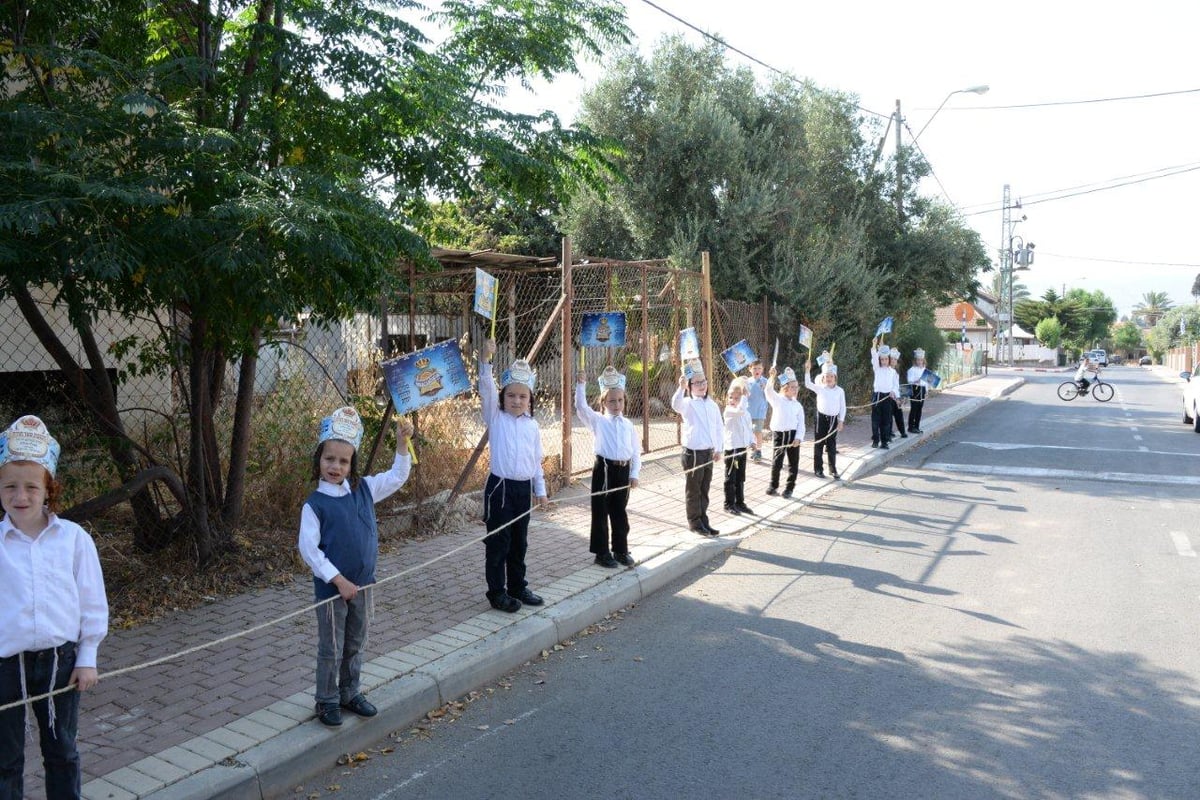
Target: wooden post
{"x": 706, "y": 316}
{"x": 645, "y": 362}
{"x": 567, "y": 352}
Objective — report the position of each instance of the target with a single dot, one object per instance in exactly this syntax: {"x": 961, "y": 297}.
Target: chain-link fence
{"x": 304, "y": 370}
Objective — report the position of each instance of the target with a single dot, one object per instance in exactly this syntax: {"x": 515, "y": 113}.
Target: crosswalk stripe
{"x": 1067, "y": 474}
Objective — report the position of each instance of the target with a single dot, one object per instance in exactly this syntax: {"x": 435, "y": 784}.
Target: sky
{"x": 1053, "y": 55}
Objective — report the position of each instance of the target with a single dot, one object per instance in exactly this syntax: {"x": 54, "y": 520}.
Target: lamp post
{"x": 982, "y": 89}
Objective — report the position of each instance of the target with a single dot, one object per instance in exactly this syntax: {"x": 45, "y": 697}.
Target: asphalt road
{"x": 1007, "y": 611}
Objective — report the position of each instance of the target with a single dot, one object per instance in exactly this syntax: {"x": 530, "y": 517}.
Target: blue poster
{"x": 486, "y": 287}
{"x": 427, "y": 376}
{"x": 821, "y": 359}
{"x": 689, "y": 344}
{"x": 931, "y": 377}
{"x": 884, "y": 327}
{"x": 805, "y": 336}
{"x": 738, "y": 357}
{"x": 606, "y": 329}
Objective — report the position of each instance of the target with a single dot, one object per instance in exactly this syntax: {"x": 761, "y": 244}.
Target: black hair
{"x": 316, "y": 465}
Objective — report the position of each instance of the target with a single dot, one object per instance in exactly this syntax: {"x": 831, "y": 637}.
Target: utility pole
{"x": 899, "y": 166}
{"x": 1005, "y": 273}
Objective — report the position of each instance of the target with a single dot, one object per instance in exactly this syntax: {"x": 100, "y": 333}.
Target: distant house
{"x": 972, "y": 326}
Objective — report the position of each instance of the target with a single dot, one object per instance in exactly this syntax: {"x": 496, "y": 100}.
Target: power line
{"x": 789, "y": 76}
{"x": 1149, "y": 173}
{"x": 1053, "y": 103}
{"x": 1069, "y": 194}
{"x": 1120, "y": 260}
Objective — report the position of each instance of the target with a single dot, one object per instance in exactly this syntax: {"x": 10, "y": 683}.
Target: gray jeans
{"x": 341, "y": 634}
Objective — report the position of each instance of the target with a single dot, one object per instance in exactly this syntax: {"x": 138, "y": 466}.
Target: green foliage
{"x": 774, "y": 182}
{"x": 1101, "y": 313}
{"x": 1152, "y": 307}
{"x": 1127, "y": 336}
{"x": 1166, "y": 334}
{"x": 1073, "y": 316}
{"x": 1049, "y": 332}
{"x": 239, "y": 165}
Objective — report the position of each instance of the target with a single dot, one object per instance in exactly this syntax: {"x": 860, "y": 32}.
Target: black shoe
{"x": 916, "y": 430}
{"x": 606, "y": 560}
{"x": 874, "y": 445}
{"x": 329, "y": 714}
{"x": 529, "y": 598}
{"x": 787, "y": 494}
{"x": 700, "y": 529}
{"x": 835, "y": 475}
{"x": 742, "y": 507}
{"x": 883, "y": 446}
{"x": 711, "y": 531}
{"x": 731, "y": 509}
{"x": 361, "y": 706}
{"x": 624, "y": 559}
{"x": 819, "y": 474}
{"x": 502, "y": 602}
{"x": 771, "y": 490}
{"x": 904, "y": 436}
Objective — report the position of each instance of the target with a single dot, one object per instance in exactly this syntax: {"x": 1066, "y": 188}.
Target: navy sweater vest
{"x": 349, "y": 537}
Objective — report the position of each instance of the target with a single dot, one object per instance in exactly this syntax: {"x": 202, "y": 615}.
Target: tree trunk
{"x": 151, "y": 530}
{"x": 209, "y": 541}
{"x": 239, "y": 440}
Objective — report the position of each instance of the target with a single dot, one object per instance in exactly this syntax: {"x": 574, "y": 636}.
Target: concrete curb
{"x": 268, "y": 753}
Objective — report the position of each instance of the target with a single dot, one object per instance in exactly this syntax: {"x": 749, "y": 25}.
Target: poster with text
{"x": 932, "y": 378}
{"x": 885, "y": 326}
{"x": 426, "y": 377}
{"x": 689, "y": 344}
{"x": 486, "y": 287}
{"x": 805, "y": 336}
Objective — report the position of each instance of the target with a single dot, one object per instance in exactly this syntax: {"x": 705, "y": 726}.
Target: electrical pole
{"x": 1005, "y": 273}
{"x": 899, "y": 167}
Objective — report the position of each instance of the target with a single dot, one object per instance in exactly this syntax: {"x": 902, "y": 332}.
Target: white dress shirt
{"x": 915, "y": 377}
{"x": 53, "y": 591}
{"x": 786, "y": 413}
{"x": 516, "y": 442}
{"x": 739, "y": 432}
{"x": 831, "y": 400}
{"x": 887, "y": 381}
{"x": 382, "y": 485}
{"x": 616, "y": 438}
{"x": 703, "y": 428}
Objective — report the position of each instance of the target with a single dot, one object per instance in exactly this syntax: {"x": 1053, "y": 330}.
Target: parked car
{"x": 1191, "y": 400}
{"x": 1145, "y": 361}
{"x": 1115, "y": 359}
{"x": 1100, "y": 357}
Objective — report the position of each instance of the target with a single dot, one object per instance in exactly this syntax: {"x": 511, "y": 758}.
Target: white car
{"x": 1100, "y": 357}
{"x": 1191, "y": 400}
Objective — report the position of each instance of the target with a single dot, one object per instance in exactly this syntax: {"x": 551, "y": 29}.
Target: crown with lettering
{"x": 27, "y": 439}
{"x": 787, "y": 376}
{"x": 918, "y": 353}
{"x": 611, "y": 379}
{"x": 344, "y": 425}
{"x": 519, "y": 372}
{"x": 422, "y": 362}
{"x": 829, "y": 368}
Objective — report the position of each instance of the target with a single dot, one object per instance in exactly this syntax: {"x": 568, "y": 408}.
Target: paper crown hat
{"x": 27, "y": 439}
{"x": 884, "y": 350}
{"x": 829, "y": 368}
{"x": 343, "y": 424}
{"x": 918, "y": 353}
{"x": 611, "y": 379}
{"x": 787, "y": 376}
{"x": 693, "y": 370}
{"x": 519, "y": 372}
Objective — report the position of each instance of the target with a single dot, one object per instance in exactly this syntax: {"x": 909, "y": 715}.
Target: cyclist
{"x": 1086, "y": 365}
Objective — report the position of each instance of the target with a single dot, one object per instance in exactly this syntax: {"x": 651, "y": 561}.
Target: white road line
{"x": 1018, "y": 446}
{"x": 1137, "y": 438}
{"x": 1068, "y": 474}
{"x": 1182, "y": 544}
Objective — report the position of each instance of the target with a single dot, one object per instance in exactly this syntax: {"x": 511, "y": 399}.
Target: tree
{"x": 1167, "y": 333}
{"x": 1101, "y": 313}
{"x": 1152, "y": 307}
{"x": 1127, "y": 336}
{"x": 1196, "y": 288}
{"x": 1073, "y": 317}
{"x": 776, "y": 182}
{"x": 222, "y": 169}
{"x": 999, "y": 289}
{"x": 1049, "y": 332}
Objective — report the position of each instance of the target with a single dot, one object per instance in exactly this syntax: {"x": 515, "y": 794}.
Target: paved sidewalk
{"x": 236, "y": 720}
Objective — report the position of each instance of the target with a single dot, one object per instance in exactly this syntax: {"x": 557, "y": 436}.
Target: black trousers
{"x": 59, "y": 756}
{"x": 898, "y": 416}
{"x": 881, "y": 417}
{"x": 504, "y": 551}
{"x": 915, "y": 407}
{"x": 782, "y": 445}
{"x": 698, "y": 470}
{"x": 826, "y": 443}
{"x": 735, "y": 477}
{"x": 608, "y": 509}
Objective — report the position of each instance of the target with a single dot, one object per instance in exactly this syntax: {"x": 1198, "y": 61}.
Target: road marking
{"x": 1182, "y": 544}
{"x": 1137, "y": 438}
{"x": 1068, "y": 474}
{"x": 1018, "y": 446}
{"x": 1143, "y": 449}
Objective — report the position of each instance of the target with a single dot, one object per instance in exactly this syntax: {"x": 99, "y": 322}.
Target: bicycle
{"x": 1100, "y": 390}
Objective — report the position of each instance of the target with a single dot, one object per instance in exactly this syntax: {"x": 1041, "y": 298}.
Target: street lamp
{"x": 982, "y": 89}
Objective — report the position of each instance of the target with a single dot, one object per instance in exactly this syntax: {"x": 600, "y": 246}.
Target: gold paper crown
{"x": 422, "y": 362}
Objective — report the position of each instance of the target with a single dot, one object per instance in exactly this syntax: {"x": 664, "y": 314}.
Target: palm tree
{"x": 999, "y": 290}
{"x": 1196, "y": 288}
{"x": 1152, "y": 307}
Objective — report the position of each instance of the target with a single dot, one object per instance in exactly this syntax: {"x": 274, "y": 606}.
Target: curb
{"x": 268, "y": 753}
